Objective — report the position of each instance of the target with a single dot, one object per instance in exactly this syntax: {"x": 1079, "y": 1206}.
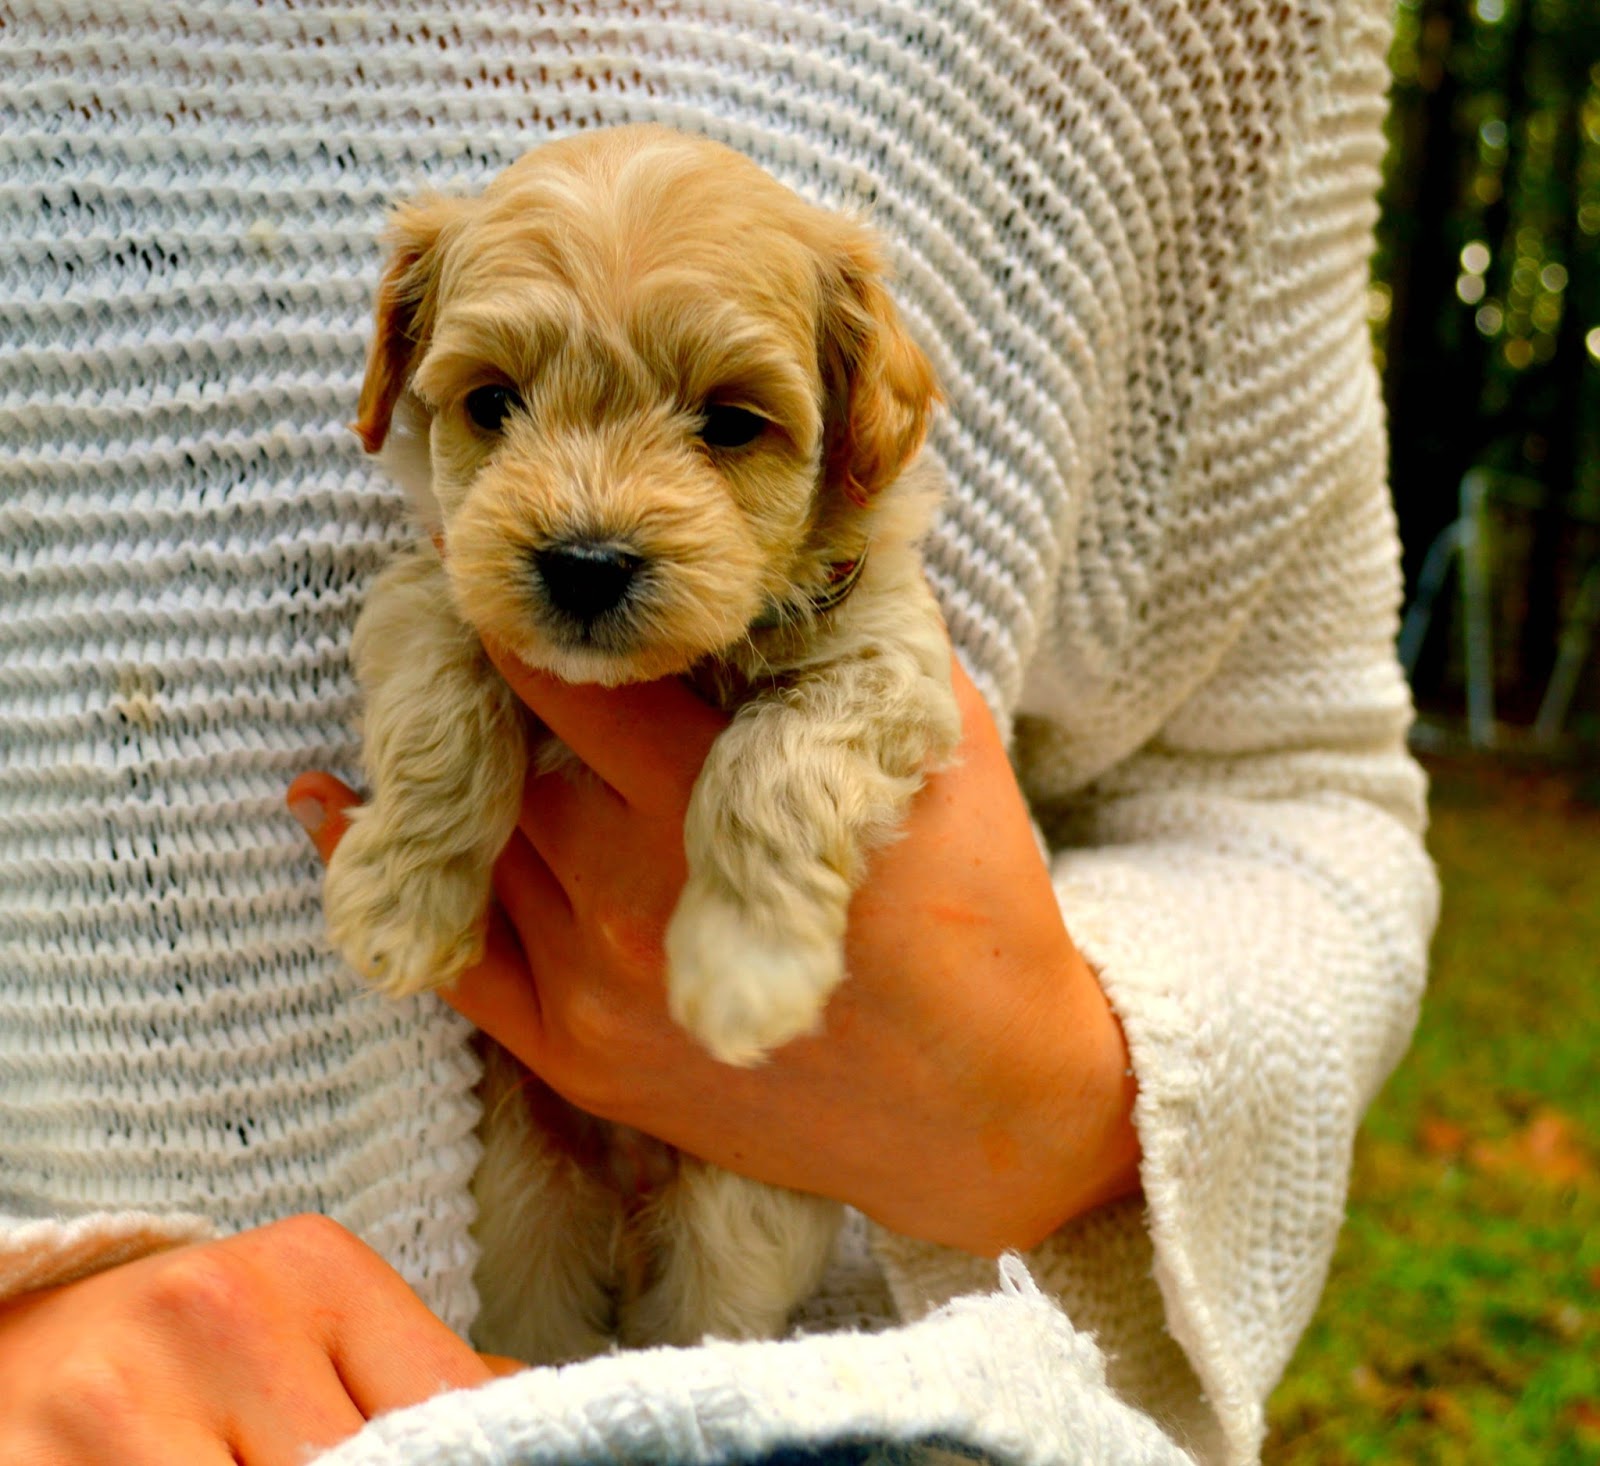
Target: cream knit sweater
{"x": 1133, "y": 236}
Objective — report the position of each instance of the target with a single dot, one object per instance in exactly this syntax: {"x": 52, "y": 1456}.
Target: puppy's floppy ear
{"x": 880, "y": 389}
{"x": 407, "y": 299}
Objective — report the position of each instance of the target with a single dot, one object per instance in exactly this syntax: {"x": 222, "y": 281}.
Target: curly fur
{"x": 619, "y": 285}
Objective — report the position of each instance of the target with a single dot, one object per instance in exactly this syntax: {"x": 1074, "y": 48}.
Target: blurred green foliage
{"x": 1461, "y": 1323}
{"x": 1486, "y": 297}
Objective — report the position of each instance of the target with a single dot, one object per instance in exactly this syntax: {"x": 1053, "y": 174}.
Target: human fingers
{"x": 401, "y": 1355}
{"x": 500, "y": 1366}
{"x": 560, "y": 817}
{"x": 500, "y": 994}
{"x": 646, "y": 740}
{"x": 320, "y": 804}
{"x": 542, "y": 992}
{"x": 135, "y": 1443}
{"x": 265, "y": 1430}
{"x": 583, "y": 1006}
{"x": 593, "y": 841}
{"x": 264, "y": 1348}
{"x": 529, "y": 893}
{"x": 387, "y": 1348}
{"x": 340, "y": 1323}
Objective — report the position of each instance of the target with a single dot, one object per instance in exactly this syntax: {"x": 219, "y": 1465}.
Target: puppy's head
{"x": 659, "y": 389}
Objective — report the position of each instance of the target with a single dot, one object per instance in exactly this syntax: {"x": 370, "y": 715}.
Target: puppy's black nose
{"x": 585, "y": 580}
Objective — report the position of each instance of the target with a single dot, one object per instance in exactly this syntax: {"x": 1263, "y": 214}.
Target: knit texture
{"x": 1132, "y": 236}
{"x": 954, "y": 1378}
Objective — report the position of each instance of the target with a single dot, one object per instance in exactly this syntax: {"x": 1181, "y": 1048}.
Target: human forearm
{"x": 969, "y": 1085}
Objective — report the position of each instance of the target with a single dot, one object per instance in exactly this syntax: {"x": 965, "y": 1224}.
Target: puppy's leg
{"x": 445, "y": 753}
{"x": 729, "y": 1257}
{"x": 548, "y": 1234}
{"x": 795, "y": 790}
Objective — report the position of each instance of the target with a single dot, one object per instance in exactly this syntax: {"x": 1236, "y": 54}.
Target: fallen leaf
{"x": 1548, "y": 1148}
{"x": 1441, "y": 1407}
{"x": 1442, "y": 1137}
{"x": 1369, "y": 1387}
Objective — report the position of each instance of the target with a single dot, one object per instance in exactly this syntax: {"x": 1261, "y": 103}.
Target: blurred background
{"x": 1462, "y": 1320}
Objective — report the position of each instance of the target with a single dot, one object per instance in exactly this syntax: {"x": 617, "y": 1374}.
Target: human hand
{"x": 970, "y": 1085}
{"x": 264, "y": 1349}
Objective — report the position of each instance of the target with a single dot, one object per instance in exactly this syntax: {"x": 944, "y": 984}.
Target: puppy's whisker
{"x": 763, "y": 664}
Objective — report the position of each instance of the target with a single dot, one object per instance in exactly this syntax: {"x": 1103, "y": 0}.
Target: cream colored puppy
{"x": 663, "y": 416}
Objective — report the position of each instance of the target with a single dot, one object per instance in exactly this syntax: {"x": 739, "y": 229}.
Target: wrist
{"x": 1071, "y": 1125}
{"x": 1099, "y": 1159}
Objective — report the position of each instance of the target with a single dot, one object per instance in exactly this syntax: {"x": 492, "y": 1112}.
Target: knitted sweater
{"x": 1132, "y": 236}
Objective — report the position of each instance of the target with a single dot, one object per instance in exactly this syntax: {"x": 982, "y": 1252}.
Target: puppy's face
{"x": 655, "y": 382}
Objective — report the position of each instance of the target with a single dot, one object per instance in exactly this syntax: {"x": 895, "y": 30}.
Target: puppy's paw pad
{"x": 739, "y": 985}
{"x": 403, "y": 927}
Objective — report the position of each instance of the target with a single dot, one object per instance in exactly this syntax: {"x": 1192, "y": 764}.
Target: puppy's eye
{"x": 489, "y": 407}
{"x": 730, "y": 427}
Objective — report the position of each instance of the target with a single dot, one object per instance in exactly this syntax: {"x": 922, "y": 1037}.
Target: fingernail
{"x": 309, "y": 813}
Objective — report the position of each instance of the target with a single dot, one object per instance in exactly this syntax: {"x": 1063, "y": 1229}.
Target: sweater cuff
{"x": 1002, "y": 1376}
{"x": 47, "y": 1252}
{"x": 1266, "y": 972}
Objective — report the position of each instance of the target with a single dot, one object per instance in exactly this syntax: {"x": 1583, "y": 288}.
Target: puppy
{"x": 663, "y": 416}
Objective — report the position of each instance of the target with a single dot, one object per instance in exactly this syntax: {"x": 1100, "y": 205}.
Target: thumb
{"x": 500, "y": 1365}
{"x": 319, "y": 802}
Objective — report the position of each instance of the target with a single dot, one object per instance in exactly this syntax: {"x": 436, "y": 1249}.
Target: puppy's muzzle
{"x": 584, "y": 580}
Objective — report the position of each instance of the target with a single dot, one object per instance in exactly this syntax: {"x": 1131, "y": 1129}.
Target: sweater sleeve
{"x": 1133, "y": 235}
{"x": 1213, "y": 737}
{"x": 998, "y": 1377}
{"x": 1253, "y": 892}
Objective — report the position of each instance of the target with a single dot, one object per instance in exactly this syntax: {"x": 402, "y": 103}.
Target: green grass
{"x": 1461, "y": 1322}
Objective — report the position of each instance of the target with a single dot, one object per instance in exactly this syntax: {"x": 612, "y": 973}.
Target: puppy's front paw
{"x": 738, "y": 984}
{"x": 404, "y": 925}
